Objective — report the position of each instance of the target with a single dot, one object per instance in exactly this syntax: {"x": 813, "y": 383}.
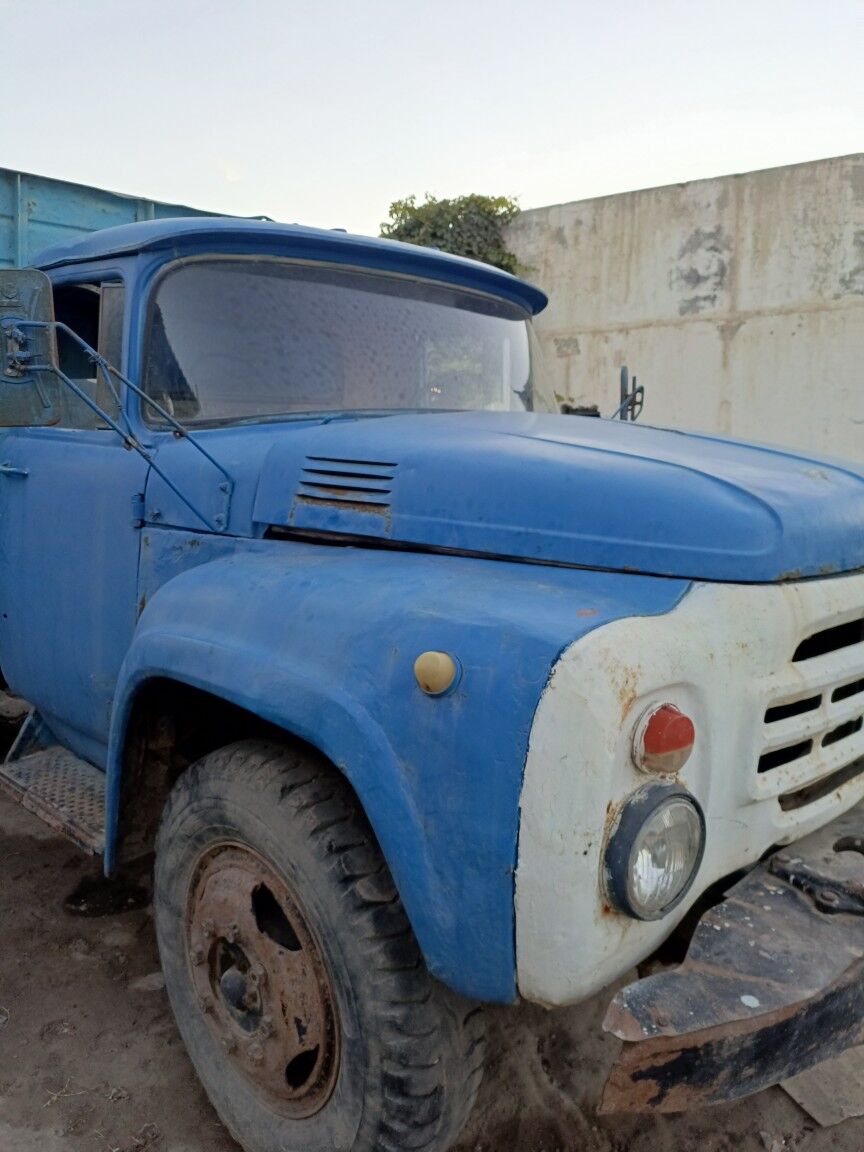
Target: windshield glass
{"x": 246, "y": 339}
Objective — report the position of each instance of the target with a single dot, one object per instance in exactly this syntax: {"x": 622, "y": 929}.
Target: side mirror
{"x": 28, "y": 348}
{"x": 25, "y": 295}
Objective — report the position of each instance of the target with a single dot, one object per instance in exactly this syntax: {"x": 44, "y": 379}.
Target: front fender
{"x": 321, "y": 641}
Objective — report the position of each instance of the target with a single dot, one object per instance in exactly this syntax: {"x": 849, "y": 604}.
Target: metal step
{"x": 65, "y": 792}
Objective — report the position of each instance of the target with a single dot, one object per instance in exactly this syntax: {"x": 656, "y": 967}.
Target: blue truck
{"x": 419, "y": 694}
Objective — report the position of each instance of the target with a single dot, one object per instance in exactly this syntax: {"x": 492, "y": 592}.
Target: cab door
{"x": 68, "y": 541}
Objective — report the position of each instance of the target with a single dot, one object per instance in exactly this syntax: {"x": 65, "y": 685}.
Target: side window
{"x": 110, "y": 342}
{"x": 95, "y": 313}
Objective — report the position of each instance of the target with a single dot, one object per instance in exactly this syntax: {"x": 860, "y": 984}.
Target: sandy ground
{"x": 90, "y": 1060}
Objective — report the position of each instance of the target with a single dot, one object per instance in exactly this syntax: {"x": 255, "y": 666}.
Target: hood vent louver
{"x": 358, "y": 485}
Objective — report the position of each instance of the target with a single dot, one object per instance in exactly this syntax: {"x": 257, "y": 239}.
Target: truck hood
{"x": 567, "y": 490}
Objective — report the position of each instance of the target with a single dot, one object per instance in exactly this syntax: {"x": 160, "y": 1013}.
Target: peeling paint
{"x": 566, "y": 345}
{"x": 701, "y": 267}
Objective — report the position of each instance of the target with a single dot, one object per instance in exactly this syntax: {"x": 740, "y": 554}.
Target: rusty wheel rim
{"x": 261, "y": 979}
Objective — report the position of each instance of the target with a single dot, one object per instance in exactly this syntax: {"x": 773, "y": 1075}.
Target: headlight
{"x": 654, "y": 853}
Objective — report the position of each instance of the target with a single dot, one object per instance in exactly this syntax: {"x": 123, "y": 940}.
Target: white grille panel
{"x": 813, "y": 724}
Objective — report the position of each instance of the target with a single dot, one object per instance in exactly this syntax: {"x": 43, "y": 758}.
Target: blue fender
{"x": 321, "y": 641}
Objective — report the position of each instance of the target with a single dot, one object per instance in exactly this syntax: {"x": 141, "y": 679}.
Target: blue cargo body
{"x": 37, "y": 212}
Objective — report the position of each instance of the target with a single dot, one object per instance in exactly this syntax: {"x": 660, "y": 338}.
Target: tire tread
{"x": 432, "y": 1048}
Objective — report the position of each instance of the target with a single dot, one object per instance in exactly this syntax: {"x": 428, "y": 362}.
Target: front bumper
{"x": 772, "y": 984}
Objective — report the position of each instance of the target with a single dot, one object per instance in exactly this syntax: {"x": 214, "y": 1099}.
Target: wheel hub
{"x": 261, "y": 979}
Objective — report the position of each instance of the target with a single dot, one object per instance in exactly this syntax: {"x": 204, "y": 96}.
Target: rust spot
{"x": 627, "y": 688}
{"x": 350, "y": 505}
{"x": 611, "y": 816}
{"x": 364, "y": 507}
{"x": 339, "y": 492}
{"x": 257, "y": 967}
{"x": 587, "y": 612}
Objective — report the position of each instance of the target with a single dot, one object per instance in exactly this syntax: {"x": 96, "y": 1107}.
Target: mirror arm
{"x": 130, "y": 441}
{"x": 632, "y": 403}
{"x": 179, "y": 429}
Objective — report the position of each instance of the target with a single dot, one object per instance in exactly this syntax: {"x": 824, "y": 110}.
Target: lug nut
{"x": 829, "y": 897}
{"x": 255, "y": 1052}
{"x": 197, "y": 955}
{"x": 208, "y": 927}
{"x": 229, "y": 1044}
{"x": 205, "y": 1003}
{"x": 232, "y": 933}
{"x": 266, "y": 1027}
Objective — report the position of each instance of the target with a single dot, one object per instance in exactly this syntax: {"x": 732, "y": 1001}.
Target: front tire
{"x": 294, "y": 975}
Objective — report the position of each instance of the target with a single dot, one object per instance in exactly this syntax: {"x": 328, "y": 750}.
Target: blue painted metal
{"x": 172, "y": 239}
{"x": 549, "y": 489}
{"x": 36, "y": 211}
{"x": 68, "y": 575}
{"x": 322, "y": 642}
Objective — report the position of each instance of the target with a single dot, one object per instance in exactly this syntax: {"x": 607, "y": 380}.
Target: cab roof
{"x": 185, "y": 236}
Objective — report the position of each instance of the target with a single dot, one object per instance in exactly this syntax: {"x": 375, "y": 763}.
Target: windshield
{"x": 246, "y": 339}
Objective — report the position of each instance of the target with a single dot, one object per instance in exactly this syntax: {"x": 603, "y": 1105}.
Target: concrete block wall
{"x": 737, "y": 301}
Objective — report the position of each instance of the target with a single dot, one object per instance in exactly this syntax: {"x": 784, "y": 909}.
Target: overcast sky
{"x": 325, "y": 112}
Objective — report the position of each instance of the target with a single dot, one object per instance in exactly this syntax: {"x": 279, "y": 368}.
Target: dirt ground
{"x": 90, "y": 1060}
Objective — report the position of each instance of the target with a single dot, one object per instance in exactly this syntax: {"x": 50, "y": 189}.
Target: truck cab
{"x": 420, "y": 694}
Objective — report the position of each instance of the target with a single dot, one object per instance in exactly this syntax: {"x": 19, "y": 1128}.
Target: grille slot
{"x": 847, "y": 691}
{"x": 360, "y": 463}
{"x": 810, "y": 793}
{"x": 357, "y": 485}
{"x": 795, "y": 708}
{"x": 843, "y": 732}
{"x": 813, "y": 723}
{"x": 780, "y": 756}
{"x": 830, "y": 640}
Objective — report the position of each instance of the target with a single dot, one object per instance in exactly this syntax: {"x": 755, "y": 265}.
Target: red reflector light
{"x": 663, "y": 740}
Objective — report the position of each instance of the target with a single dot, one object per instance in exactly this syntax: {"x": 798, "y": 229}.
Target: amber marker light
{"x": 663, "y": 740}
{"x": 436, "y": 672}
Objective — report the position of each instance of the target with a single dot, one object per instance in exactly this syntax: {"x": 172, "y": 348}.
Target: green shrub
{"x": 470, "y": 226}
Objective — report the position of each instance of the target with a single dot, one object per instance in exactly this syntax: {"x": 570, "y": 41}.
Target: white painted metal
{"x": 738, "y": 302}
{"x": 723, "y": 656}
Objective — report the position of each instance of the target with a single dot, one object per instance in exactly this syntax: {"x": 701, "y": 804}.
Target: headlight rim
{"x": 639, "y": 807}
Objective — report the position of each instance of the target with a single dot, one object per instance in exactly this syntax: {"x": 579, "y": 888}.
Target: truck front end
{"x": 633, "y": 820}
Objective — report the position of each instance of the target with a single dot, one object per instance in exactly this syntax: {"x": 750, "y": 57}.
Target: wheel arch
{"x": 171, "y": 673}
{"x": 322, "y": 643}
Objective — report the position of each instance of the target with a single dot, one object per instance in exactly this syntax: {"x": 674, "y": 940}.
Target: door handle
{"x": 8, "y": 469}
